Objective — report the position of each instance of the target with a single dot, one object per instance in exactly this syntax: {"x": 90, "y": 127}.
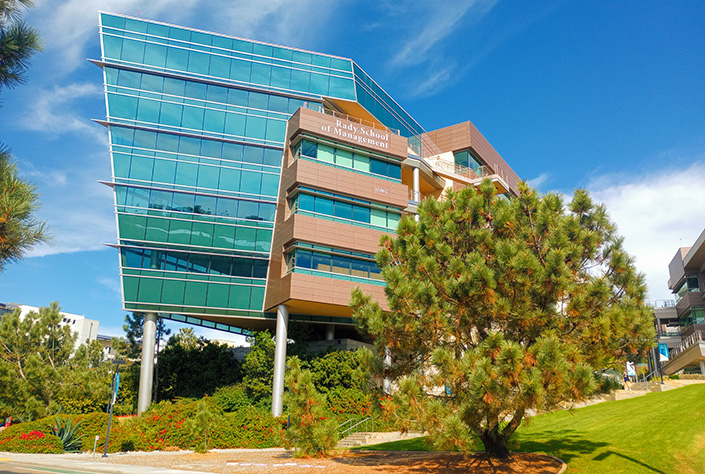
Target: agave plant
{"x": 68, "y": 434}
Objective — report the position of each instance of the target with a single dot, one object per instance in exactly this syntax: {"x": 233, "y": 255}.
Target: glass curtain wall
{"x": 197, "y": 127}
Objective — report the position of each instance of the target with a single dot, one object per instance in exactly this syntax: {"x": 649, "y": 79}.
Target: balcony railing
{"x": 319, "y": 108}
{"x": 664, "y": 303}
{"x": 414, "y": 196}
{"x": 695, "y": 338}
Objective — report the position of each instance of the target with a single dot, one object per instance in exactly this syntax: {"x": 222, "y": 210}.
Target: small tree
{"x": 200, "y": 426}
{"x": 259, "y": 366}
{"x": 498, "y": 307}
{"x": 311, "y": 430}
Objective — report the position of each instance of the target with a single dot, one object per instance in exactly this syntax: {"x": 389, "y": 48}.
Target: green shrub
{"x": 249, "y": 427}
{"x": 34, "y": 441}
{"x": 674, "y": 377}
{"x": 163, "y": 425}
{"x": 346, "y": 403}
{"x": 230, "y": 399}
{"x": 92, "y": 424}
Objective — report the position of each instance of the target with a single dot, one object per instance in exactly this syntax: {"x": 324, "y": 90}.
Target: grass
{"x": 657, "y": 433}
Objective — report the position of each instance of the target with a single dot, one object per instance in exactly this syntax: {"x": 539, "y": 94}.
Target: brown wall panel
{"x": 466, "y": 135}
{"x": 346, "y": 131}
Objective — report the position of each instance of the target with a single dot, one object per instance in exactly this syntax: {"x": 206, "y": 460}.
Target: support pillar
{"x": 702, "y": 367}
{"x": 387, "y": 385}
{"x": 330, "y": 332}
{"x": 416, "y": 189}
{"x": 149, "y": 336}
{"x": 279, "y": 359}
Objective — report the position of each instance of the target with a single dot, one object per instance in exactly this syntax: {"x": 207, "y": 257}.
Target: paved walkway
{"x": 81, "y": 463}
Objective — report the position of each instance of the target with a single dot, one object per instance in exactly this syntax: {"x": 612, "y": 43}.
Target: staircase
{"x": 365, "y": 438}
{"x": 642, "y": 388}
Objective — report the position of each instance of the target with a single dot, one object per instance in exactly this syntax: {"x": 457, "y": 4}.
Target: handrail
{"x": 366, "y": 422}
{"x": 691, "y": 340}
{"x": 319, "y": 108}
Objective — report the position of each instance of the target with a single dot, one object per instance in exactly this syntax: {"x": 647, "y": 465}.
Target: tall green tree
{"x": 195, "y": 367}
{"x": 18, "y": 42}
{"x": 19, "y": 230}
{"x": 258, "y": 368}
{"x": 498, "y": 307}
{"x": 40, "y": 372}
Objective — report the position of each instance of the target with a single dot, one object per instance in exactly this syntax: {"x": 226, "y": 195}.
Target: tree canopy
{"x": 500, "y": 306}
{"x": 40, "y": 372}
{"x": 19, "y": 230}
{"x": 18, "y": 42}
{"x": 18, "y": 198}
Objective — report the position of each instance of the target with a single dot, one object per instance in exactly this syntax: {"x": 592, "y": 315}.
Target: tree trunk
{"x": 495, "y": 444}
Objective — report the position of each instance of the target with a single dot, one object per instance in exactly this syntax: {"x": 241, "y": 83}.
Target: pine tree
{"x": 498, "y": 307}
{"x": 18, "y": 200}
{"x": 311, "y": 430}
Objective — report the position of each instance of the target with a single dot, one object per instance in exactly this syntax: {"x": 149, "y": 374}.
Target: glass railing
{"x": 319, "y": 108}
{"x": 663, "y": 303}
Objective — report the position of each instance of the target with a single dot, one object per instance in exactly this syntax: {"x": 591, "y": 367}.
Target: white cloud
{"x": 426, "y": 26}
{"x": 539, "y": 181}
{"x": 54, "y": 111}
{"x": 436, "y": 77}
{"x": 112, "y": 284}
{"x": 70, "y": 26}
{"x": 80, "y": 215}
{"x": 656, "y": 213}
{"x": 433, "y": 23}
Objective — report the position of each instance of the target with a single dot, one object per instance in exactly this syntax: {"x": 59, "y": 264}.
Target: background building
{"x": 687, "y": 281}
{"x": 84, "y": 328}
{"x": 253, "y": 181}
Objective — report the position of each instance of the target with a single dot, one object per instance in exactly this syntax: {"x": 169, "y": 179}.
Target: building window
{"x": 690, "y": 284}
{"x": 343, "y": 209}
{"x": 171, "y": 261}
{"x": 695, "y": 315}
{"x": 318, "y": 260}
{"x": 465, "y": 159}
{"x": 347, "y": 158}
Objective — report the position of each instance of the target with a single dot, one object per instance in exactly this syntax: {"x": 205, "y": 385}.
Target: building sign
{"x": 358, "y": 133}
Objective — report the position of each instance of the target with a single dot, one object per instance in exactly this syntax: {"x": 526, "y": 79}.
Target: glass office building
{"x": 234, "y": 202}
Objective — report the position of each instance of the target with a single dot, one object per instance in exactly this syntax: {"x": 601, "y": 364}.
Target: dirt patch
{"x": 360, "y": 462}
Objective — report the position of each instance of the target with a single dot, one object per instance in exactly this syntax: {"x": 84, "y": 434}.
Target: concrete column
{"x": 387, "y": 386}
{"x": 279, "y": 359}
{"x": 330, "y": 332}
{"x": 702, "y": 367}
{"x": 149, "y": 336}
{"x": 416, "y": 189}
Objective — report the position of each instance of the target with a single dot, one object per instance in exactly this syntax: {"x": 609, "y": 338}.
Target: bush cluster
{"x": 33, "y": 441}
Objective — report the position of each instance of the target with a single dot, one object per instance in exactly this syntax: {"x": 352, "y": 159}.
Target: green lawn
{"x": 657, "y": 433}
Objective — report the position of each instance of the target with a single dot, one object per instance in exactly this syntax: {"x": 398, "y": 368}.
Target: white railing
{"x": 696, "y": 337}
{"x": 664, "y": 303}
{"x": 414, "y": 196}
{"x": 319, "y": 108}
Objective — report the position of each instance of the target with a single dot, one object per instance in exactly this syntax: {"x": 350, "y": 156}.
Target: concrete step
{"x": 625, "y": 394}
{"x": 366, "y": 438}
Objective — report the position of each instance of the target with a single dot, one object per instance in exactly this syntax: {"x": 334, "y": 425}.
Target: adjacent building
{"x": 85, "y": 329}
{"x": 687, "y": 281}
{"x": 253, "y": 181}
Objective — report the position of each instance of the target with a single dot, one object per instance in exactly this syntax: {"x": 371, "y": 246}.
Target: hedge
{"x": 33, "y": 441}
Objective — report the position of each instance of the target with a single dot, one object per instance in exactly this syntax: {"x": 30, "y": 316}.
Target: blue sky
{"x": 603, "y": 95}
